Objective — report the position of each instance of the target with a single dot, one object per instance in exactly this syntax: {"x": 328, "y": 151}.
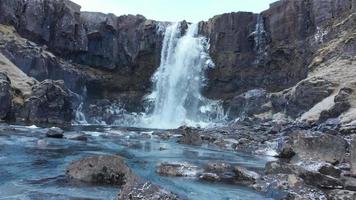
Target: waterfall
{"x": 176, "y": 99}
{"x": 260, "y": 40}
{"x": 79, "y": 115}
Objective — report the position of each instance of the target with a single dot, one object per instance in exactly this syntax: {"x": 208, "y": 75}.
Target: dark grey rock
{"x": 324, "y": 147}
{"x": 286, "y": 151}
{"x": 189, "y": 136}
{"x": 138, "y": 189}
{"x": 330, "y": 170}
{"x": 5, "y": 96}
{"x": 101, "y": 170}
{"x": 55, "y": 132}
{"x": 319, "y": 180}
{"x": 77, "y": 136}
{"x": 211, "y": 177}
{"x": 176, "y": 169}
{"x": 249, "y": 103}
{"x": 49, "y": 103}
{"x": 275, "y": 167}
{"x": 303, "y": 96}
{"x": 245, "y": 175}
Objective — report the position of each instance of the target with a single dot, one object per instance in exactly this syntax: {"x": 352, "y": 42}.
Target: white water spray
{"x": 176, "y": 98}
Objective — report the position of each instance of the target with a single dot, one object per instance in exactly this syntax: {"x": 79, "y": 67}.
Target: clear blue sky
{"x": 174, "y": 10}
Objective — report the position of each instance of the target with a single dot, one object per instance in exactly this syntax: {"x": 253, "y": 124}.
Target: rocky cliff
{"x": 288, "y": 52}
{"x": 125, "y": 49}
{"x": 271, "y": 50}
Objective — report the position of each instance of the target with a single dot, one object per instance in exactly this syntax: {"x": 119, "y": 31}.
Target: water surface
{"x": 33, "y": 166}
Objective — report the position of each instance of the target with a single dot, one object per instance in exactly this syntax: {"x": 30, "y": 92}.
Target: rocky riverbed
{"x": 36, "y": 165}
{"x": 276, "y": 161}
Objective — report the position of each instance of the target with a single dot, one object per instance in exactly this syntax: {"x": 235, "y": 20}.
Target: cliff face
{"x": 271, "y": 50}
{"x": 126, "y": 48}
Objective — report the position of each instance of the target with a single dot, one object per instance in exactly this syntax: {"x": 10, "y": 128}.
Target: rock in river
{"x": 114, "y": 171}
{"x": 101, "y": 170}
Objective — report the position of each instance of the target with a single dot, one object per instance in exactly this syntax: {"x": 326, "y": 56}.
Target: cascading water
{"x": 176, "y": 99}
{"x": 260, "y": 40}
{"x": 79, "y": 115}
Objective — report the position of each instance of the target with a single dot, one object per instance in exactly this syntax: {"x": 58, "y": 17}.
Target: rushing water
{"x": 260, "y": 40}
{"x": 33, "y": 166}
{"x": 177, "y": 98}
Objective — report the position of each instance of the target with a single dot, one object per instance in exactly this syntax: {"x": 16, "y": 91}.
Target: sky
{"x": 174, "y": 10}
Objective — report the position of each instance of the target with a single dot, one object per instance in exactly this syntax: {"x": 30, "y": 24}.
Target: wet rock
{"x": 310, "y": 177}
{"x": 244, "y": 175}
{"x": 77, "y": 136}
{"x": 325, "y": 147}
{"x": 286, "y": 151}
{"x": 330, "y": 170}
{"x": 190, "y": 137}
{"x": 275, "y": 167}
{"x": 319, "y": 180}
{"x": 55, "y": 132}
{"x": 287, "y": 186}
{"x": 5, "y": 96}
{"x": 341, "y": 195}
{"x": 218, "y": 167}
{"x": 139, "y": 189}
{"x": 248, "y": 103}
{"x": 211, "y": 177}
{"x": 176, "y": 169}
{"x": 113, "y": 170}
{"x": 49, "y": 103}
{"x": 101, "y": 170}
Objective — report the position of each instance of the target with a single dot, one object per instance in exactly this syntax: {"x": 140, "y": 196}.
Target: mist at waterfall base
{"x": 176, "y": 99}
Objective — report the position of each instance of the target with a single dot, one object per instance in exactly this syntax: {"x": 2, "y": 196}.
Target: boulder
{"x": 211, "y": 177}
{"x": 249, "y": 103}
{"x": 303, "y": 96}
{"x": 190, "y": 136}
{"x": 330, "y": 170}
{"x": 324, "y": 147}
{"x": 310, "y": 177}
{"x": 275, "y": 167}
{"x": 5, "y": 96}
{"x": 49, "y": 103}
{"x": 101, "y": 170}
{"x": 218, "y": 167}
{"x": 319, "y": 180}
{"x": 113, "y": 170}
{"x": 285, "y": 151}
{"x": 139, "y": 189}
{"x": 55, "y": 132}
{"x": 176, "y": 169}
{"x": 341, "y": 104}
{"x": 77, "y": 136}
{"x": 245, "y": 175}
